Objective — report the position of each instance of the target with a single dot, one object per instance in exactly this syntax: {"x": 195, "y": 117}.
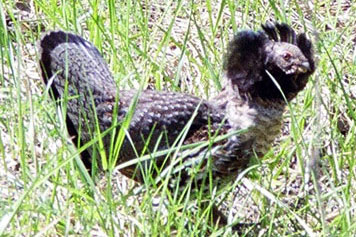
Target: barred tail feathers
{"x": 69, "y": 56}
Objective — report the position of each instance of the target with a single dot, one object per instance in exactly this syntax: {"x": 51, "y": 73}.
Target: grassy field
{"x": 305, "y": 186}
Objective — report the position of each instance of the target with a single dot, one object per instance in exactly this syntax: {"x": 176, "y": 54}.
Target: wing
{"x": 159, "y": 119}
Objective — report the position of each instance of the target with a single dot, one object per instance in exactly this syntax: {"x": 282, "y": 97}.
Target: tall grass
{"x": 305, "y": 185}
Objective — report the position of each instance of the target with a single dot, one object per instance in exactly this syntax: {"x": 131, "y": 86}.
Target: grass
{"x": 304, "y": 186}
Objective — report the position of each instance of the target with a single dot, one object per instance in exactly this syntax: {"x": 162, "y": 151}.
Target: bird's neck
{"x": 262, "y": 120}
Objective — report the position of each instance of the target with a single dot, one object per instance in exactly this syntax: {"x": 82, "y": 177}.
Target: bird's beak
{"x": 303, "y": 67}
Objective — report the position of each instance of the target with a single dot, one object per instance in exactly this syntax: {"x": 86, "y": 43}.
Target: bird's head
{"x": 286, "y": 57}
{"x": 270, "y": 63}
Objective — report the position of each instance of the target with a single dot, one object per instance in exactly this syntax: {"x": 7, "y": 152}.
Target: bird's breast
{"x": 262, "y": 124}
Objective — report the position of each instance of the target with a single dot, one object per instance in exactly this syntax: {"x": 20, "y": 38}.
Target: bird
{"x": 264, "y": 70}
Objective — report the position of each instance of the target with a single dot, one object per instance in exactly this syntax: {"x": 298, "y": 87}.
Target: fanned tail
{"x": 74, "y": 69}
{"x": 69, "y": 57}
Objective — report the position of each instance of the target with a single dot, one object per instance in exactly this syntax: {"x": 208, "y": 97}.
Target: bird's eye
{"x": 287, "y": 56}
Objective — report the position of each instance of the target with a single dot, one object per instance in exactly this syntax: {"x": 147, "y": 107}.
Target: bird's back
{"x": 78, "y": 75}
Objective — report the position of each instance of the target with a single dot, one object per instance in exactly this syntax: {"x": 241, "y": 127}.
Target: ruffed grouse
{"x": 263, "y": 71}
